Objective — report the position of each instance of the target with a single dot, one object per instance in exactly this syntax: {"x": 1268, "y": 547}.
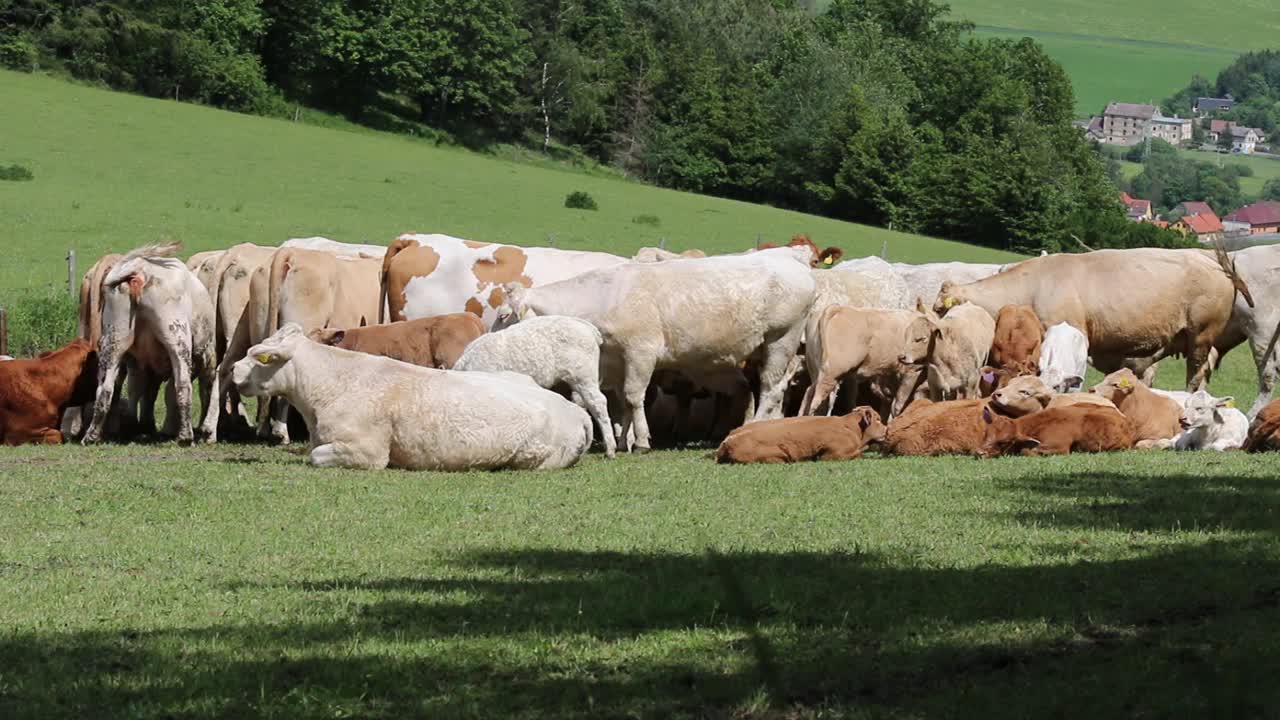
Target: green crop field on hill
{"x": 151, "y": 581}
{"x": 1134, "y": 51}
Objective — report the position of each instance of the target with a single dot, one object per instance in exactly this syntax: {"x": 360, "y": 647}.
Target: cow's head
{"x": 265, "y": 371}
{"x": 514, "y": 307}
{"x": 1002, "y": 437}
{"x": 1117, "y": 386}
{"x": 327, "y": 336}
{"x": 948, "y": 297}
{"x": 821, "y": 257}
{"x": 920, "y": 337}
{"x": 1203, "y": 410}
{"x": 869, "y": 423}
{"x": 1022, "y": 395}
{"x": 1061, "y": 382}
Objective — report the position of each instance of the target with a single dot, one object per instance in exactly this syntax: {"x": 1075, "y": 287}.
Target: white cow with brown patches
{"x": 426, "y": 275}
{"x": 155, "y": 310}
{"x": 372, "y": 412}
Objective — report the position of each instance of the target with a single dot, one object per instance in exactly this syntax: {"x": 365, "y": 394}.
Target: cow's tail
{"x": 157, "y": 250}
{"x": 91, "y": 298}
{"x": 275, "y": 287}
{"x": 393, "y": 249}
{"x": 1228, "y": 265}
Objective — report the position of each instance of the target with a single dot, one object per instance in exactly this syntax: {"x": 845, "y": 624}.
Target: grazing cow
{"x": 803, "y": 438}
{"x": 924, "y": 281}
{"x": 706, "y": 314}
{"x": 426, "y": 275}
{"x": 1264, "y": 431}
{"x": 1156, "y": 418}
{"x": 372, "y": 412}
{"x": 556, "y": 352}
{"x": 434, "y": 342}
{"x": 1210, "y": 423}
{"x": 952, "y": 427}
{"x": 157, "y": 312}
{"x": 1018, "y": 338}
{"x": 952, "y": 349}
{"x": 863, "y": 345}
{"x": 1129, "y": 303}
{"x": 653, "y": 254}
{"x": 1064, "y": 358}
{"x": 35, "y": 393}
{"x": 1057, "y": 431}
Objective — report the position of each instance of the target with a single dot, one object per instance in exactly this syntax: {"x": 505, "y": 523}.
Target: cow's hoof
{"x": 637, "y": 450}
{"x": 186, "y": 441}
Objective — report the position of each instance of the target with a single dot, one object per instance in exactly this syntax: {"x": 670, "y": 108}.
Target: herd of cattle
{"x": 441, "y": 353}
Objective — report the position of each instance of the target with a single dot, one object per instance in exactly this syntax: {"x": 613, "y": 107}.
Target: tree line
{"x": 885, "y": 112}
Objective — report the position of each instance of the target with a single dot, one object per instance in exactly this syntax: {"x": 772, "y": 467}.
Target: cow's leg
{"x": 180, "y": 361}
{"x": 824, "y": 390}
{"x": 638, "y": 373}
{"x": 1266, "y": 363}
{"x": 362, "y": 455}
{"x": 807, "y": 400}
{"x": 1199, "y": 364}
{"x": 171, "y": 419}
{"x": 108, "y": 373}
{"x": 209, "y": 402}
{"x": 593, "y": 401}
{"x": 775, "y": 370}
{"x": 907, "y": 386}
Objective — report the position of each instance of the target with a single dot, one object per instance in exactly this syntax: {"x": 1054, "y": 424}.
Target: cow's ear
{"x": 865, "y": 421}
{"x": 986, "y": 415}
{"x": 336, "y": 337}
{"x": 268, "y": 358}
{"x": 1226, "y": 402}
{"x": 1074, "y": 382}
{"x": 1023, "y": 442}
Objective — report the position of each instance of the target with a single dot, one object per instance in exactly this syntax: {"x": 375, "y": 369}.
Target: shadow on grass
{"x": 1176, "y": 630}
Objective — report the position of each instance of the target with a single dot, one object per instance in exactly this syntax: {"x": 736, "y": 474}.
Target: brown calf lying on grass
{"x": 1057, "y": 431}
{"x": 803, "y": 438}
{"x": 1157, "y": 419}
{"x": 1264, "y": 431}
{"x": 953, "y": 427}
{"x": 434, "y": 342}
{"x": 35, "y": 392}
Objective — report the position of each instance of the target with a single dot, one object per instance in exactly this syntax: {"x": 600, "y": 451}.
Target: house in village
{"x": 1208, "y": 106}
{"x": 1244, "y": 140}
{"x": 1205, "y": 226}
{"x": 1135, "y": 209}
{"x": 1129, "y": 124}
{"x": 1260, "y": 217}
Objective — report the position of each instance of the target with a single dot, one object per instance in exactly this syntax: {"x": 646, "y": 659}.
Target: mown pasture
{"x": 151, "y": 581}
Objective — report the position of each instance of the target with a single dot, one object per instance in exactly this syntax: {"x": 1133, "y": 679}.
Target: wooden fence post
{"x": 73, "y": 283}
{"x": 4, "y": 332}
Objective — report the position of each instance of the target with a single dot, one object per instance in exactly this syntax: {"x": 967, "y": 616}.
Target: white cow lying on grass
{"x": 370, "y": 412}
{"x": 1211, "y": 423}
{"x": 554, "y": 351}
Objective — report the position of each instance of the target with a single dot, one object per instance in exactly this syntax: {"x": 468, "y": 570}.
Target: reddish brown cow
{"x": 1264, "y": 431}
{"x": 1019, "y": 334}
{"x": 34, "y": 393}
{"x": 1057, "y": 431}
{"x": 953, "y": 427}
{"x": 434, "y": 342}
{"x": 803, "y": 438}
{"x": 827, "y": 257}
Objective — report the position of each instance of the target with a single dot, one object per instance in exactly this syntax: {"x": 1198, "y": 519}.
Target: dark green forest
{"x": 884, "y": 112}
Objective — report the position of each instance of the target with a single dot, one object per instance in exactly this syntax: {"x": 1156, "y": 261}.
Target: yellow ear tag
{"x": 1231, "y": 403}
{"x": 265, "y": 358}
{"x": 950, "y": 303}
{"x": 1124, "y": 384}
{"x": 828, "y": 260}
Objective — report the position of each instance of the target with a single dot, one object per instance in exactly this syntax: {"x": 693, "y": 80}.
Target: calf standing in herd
{"x": 861, "y": 346}
{"x": 952, "y": 349}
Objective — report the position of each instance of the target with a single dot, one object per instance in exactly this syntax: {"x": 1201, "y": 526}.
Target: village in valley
{"x": 1132, "y": 124}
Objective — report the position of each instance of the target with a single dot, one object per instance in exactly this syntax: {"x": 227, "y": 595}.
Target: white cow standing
{"x": 371, "y": 412}
{"x": 155, "y": 310}
{"x": 707, "y": 314}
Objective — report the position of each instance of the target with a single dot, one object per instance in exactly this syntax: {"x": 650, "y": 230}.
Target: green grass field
{"x": 1131, "y": 52}
{"x": 151, "y": 581}
{"x": 1264, "y": 169}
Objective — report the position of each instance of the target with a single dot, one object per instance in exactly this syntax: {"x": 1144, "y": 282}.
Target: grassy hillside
{"x": 114, "y": 171}
{"x": 1134, "y": 52}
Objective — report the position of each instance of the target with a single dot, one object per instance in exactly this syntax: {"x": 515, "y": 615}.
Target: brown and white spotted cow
{"x": 426, "y": 275}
